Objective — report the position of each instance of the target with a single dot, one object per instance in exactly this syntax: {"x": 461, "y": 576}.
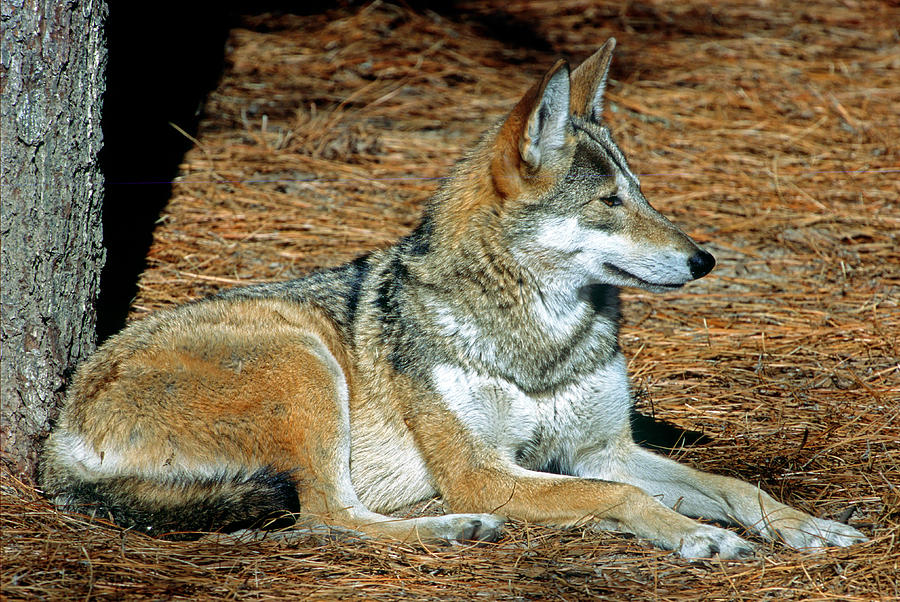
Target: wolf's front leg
{"x": 473, "y": 477}
{"x": 703, "y": 495}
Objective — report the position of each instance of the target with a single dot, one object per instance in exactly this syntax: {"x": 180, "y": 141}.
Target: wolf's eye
{"x": 613, "y": 200}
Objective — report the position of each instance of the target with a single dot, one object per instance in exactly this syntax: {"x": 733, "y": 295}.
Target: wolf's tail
{"x": 180, "y": 508}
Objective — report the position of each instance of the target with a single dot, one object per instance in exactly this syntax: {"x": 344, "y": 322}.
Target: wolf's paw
{"x": 707, "y": 542}
{"x": 471, "y": 527}
{"x": 811, "y": 533}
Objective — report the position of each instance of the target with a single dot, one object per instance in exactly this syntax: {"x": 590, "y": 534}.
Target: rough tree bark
{"x": 52, "y": 67}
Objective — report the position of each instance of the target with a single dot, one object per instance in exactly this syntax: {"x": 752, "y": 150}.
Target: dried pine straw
{"x": 768, "y": 131}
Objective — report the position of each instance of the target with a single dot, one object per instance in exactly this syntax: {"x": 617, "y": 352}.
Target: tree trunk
{"x": 53, "y": 76}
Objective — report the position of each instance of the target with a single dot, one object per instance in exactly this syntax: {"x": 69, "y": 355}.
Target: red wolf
{"x": 476, "y": 359}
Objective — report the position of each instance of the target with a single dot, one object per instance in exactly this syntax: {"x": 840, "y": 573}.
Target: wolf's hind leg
{"x": 332, "y": 496}
{"x": 341, "y": 504}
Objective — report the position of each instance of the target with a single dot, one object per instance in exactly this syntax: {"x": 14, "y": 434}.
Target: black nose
{"x": 701, "y": 263}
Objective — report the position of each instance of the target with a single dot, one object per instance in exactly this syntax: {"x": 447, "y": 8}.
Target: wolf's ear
{"x": 534, "y": 130}
{"x": 589, "y": 83}
{"x": 545, "y": 129}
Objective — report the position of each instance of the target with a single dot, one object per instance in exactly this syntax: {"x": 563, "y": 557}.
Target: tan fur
{"x": 461, "y": 362}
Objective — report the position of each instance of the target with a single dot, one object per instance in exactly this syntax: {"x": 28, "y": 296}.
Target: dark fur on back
{"x": 335, "y": 291}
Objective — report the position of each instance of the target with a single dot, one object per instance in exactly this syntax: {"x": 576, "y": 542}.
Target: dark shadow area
{"x": 490, "y": 21}
{"x": 663, "y": 21}
{"x": 164, "y": 59}
{"x": 657, "y": 434}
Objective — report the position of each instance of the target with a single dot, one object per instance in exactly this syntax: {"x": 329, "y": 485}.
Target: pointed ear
{"x": 545, "y": 129}
{"x": 534, "y": 130}
{"x": 589, "y": 83}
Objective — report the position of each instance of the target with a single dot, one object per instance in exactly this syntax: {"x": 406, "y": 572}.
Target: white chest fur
{"x": 537, "y": 431}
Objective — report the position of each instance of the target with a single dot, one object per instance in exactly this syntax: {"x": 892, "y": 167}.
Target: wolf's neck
{"x": 494, "y": 315}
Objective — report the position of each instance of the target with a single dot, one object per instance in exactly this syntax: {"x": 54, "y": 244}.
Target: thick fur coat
{"x": 476, "y": 359}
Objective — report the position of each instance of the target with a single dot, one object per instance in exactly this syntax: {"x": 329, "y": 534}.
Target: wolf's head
{"x": 560, "y": 192}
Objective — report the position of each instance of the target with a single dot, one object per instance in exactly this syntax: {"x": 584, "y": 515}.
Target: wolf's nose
{"x": 701, "y": 263}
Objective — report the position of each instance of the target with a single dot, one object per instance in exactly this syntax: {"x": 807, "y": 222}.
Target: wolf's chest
{"x": 536, "y": 431}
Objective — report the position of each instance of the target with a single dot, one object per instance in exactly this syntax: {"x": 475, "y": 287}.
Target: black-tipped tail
{"x": 184, "y": 508}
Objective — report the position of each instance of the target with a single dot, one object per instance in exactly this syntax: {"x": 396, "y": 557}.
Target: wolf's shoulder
{"x": 335, "y": 290}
